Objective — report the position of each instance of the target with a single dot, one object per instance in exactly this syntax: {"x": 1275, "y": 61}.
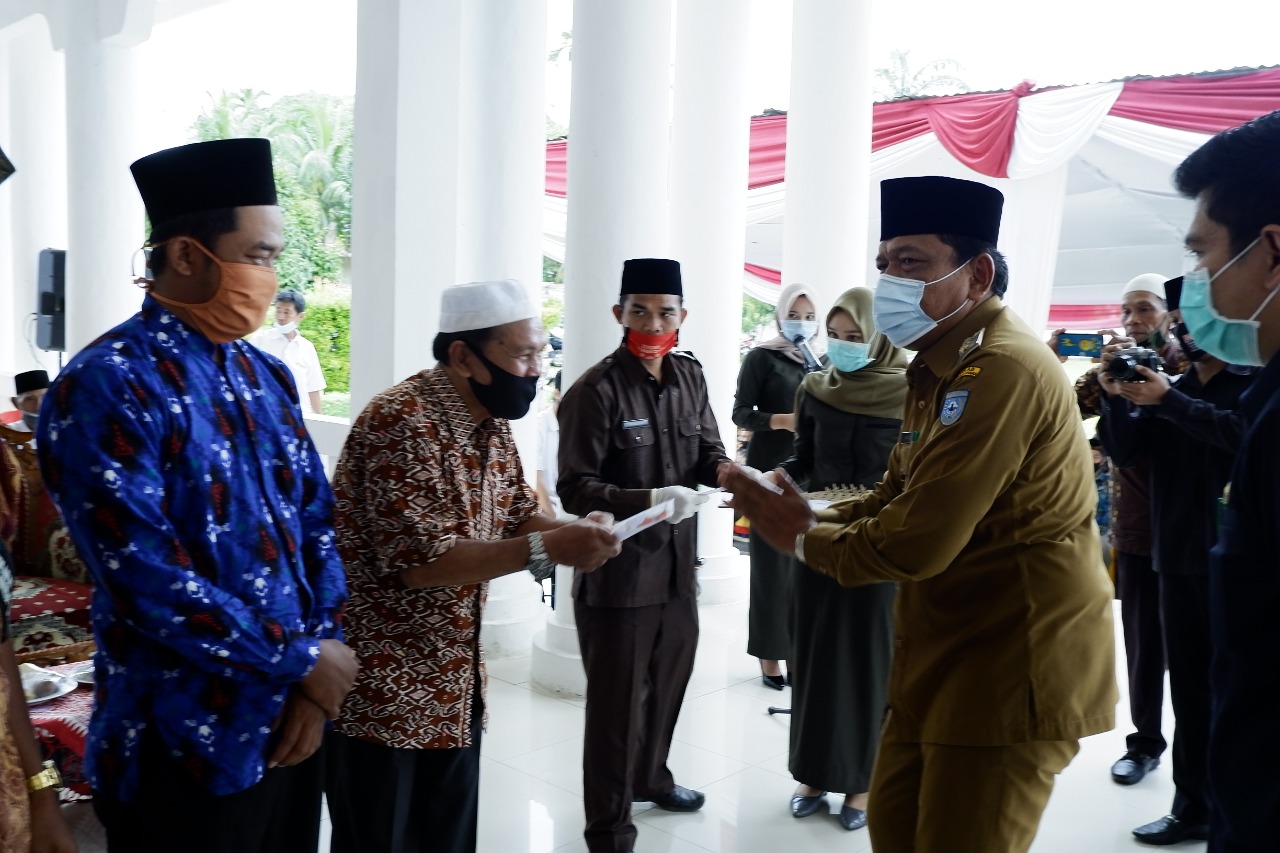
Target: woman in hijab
{"x": 767, "y": 384}
{"x": 847, "y": 422}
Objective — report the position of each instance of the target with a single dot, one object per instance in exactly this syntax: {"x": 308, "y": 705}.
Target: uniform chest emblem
{"x": 953, "y": 406}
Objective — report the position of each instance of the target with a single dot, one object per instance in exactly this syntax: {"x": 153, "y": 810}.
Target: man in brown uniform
{"x": 1004, "y": 654}
{"x": 636, "y": 430}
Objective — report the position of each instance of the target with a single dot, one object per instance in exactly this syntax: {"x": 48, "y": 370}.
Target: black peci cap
{"x": 651, "y": 275}
{"x": 205, "y": 176}
{"x": 935, "y": 205}
{"x": 31, "y": 380}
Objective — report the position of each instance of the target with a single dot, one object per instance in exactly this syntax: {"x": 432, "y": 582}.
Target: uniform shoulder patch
{"x": 953, "y": 407}
{"x": 969, "y": 372}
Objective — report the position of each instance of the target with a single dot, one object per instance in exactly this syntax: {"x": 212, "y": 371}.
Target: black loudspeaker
{"x": 51, "y": 316}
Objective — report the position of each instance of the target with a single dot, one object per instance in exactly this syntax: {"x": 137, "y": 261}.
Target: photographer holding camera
{"x": 1146, "y": 325}
{"x": 1188, "y": 428}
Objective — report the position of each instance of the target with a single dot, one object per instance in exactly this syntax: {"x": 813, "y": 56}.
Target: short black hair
{"x": 555, "y": 380}
{"x": 1237, "y": 173}
{"x": 297, "y": 299}
{"x": 205, "y": 226}
{"x": 968, "y": 248}
{"x": 474, "y": 338}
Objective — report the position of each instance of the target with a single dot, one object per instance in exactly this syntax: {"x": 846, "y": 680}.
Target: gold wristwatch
{"x": 49, "y": 777}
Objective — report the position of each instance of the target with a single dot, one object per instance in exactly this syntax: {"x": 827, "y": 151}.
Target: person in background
{"x": 847, "y": 422}
{"x": 31, "y": 820}
{"x": 1146, "y": 324}
{"x": 637, "y": 430}
{"x": 1231, "y": 279}
{"x": 1188, "y": 430}
{"x": 188, "y": 482}
{"x": 767, "y": 383}
{"x": 1102, "y": 480}
{"x": 285, "y": 342}
{"x": 548, "y": 451}
{"x": 1004, "y": 652}
{"x": 431, "y": 505}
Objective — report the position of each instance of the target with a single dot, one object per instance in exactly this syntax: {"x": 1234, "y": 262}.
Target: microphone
{"x": 811, "y": 363}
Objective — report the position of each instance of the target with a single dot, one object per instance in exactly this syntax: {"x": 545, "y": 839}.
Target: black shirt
{"x": 1189, "y": 442}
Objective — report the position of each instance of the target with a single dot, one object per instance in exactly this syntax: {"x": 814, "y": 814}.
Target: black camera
{"x": 1126, "y": 363}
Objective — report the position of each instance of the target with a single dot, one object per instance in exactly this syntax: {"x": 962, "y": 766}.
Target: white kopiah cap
{"x": 1148, "y": 282}
{"x": 483, "y": 305}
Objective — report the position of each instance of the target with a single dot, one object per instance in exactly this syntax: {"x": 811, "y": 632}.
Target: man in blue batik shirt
{"x": 179, "y": 457}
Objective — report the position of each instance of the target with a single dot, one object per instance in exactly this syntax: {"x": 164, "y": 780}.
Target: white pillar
{"x": 501, "y": 157}
{"x": 405, "y": 187}
{"x": 37, "y": 193}
{"x": 710, "y": 139}
{"x": 828, "y": 148}
{"x": 618, "y": 158}
{"x": 104, "y": 214}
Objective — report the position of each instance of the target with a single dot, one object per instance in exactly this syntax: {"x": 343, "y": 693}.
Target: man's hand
{"x": 777, "y": 518}
{"x": 584, "y": 544}
{"x": 330, "y": 680}
{"x": 1053, "y": 343}
{"x": 49, "y": 830}
{"x": 687, "y": 501}
{"x": 1117, "y": 343}
{"x": 301, "y": 727}
{"x": 1149, "y": 392}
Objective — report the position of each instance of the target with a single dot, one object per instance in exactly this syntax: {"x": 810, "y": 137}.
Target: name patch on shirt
{"x": 953, "y": 406}
{"x": 637, "y": 423}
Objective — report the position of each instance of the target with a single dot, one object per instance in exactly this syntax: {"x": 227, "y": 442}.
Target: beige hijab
{"x": 817, "y": 344}
{"x": 878, "y": 390}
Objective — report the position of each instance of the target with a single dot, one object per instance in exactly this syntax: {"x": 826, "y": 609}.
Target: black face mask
{"x": 1189, "y": 347}
{"x": 507, "y": 395}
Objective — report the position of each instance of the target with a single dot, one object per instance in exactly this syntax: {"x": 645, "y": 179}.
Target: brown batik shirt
{"x": 416, "y": 475}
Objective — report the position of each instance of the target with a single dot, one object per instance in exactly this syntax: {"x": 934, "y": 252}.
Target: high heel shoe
{"x": 777, "y": 682}
{"x": 804, "y": 806}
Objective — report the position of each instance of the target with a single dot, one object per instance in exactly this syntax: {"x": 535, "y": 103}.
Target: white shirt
{"x": 299, "y": 355}
{"x": 548, "y": 455}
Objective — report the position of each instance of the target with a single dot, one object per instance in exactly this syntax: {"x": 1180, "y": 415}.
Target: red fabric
{"x": 557, "y": 167}
{"x": 60, "y": 728}
{"x": 1200, "y": 104}
{"x": 764, "y": 273}
{"x": 768, "y": 156}
{"x": 1078, "y": 317}
{"x": 34, "y": 597}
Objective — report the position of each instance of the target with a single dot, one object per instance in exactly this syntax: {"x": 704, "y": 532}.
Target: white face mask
{"x": 896, "y": 309}
{"x": 286, "y": 328}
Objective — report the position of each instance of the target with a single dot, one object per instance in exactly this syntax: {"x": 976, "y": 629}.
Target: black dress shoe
{"x": 1170, "y": 830}
{"x": 805, "y": 806}
{"x": 680, "y": 799}
{"x": 777, "y": 682}
{"x": 1132, "y": 766}
{"x": 851, "y": 818}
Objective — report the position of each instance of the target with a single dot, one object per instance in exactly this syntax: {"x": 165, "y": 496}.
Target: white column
{"x": 710, "y": 138}
{"x": 501, "y": 157}
{"x": 405, "y": 187}
{"x": 104, "y": 214}
{"x": 828, "y": 148}
{"x": 618, "y": 159}
{"x": 37, "y": 193}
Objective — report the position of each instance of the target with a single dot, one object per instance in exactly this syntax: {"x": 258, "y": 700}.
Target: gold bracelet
{"x": 49, "y": 777}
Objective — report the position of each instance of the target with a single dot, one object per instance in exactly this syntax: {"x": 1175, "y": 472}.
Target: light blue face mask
{"x": 804, "y": 328}
{"x": 1232, "y": 340}
{"x": 896, "y": 310}
{"x": 848, "y": 356}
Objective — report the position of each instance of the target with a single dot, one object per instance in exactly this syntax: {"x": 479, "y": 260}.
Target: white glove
{"x": 687, "y": 501}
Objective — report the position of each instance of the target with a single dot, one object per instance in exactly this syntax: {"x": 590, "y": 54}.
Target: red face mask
{"x": 649, "y": 347}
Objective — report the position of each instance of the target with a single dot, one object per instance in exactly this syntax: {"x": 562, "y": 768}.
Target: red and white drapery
{"x": 1021, "y": 140}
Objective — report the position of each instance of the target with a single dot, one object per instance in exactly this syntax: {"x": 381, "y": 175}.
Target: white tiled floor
{"x": 729, "y": 747}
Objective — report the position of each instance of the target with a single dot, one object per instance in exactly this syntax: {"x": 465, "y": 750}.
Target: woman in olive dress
{"x": 767, "y": 383}
{"x": 848, "y": 419}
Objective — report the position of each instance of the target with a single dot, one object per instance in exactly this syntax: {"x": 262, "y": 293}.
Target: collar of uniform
{"x": 944, "y": 354}
{"x": 637, "y": 373}
{"x": 159, "y": 319}
{"x": 438, "y": 386}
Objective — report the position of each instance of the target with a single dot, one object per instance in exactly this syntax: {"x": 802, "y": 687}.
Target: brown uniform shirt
{"x": 417, "y": 474}
{"x": 986, "y": 516}
{"x": 622, "y": 433}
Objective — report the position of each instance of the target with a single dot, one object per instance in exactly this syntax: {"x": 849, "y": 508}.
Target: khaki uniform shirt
{"x": 986, "y": 518}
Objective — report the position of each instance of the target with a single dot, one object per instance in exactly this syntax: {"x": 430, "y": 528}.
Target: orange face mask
{"x": 244, "y": 294}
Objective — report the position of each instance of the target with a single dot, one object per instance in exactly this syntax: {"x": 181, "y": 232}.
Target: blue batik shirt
{"x": 193, "y": 492}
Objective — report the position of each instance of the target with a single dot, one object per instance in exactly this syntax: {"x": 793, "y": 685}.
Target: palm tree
{"x": 898, "y": 82}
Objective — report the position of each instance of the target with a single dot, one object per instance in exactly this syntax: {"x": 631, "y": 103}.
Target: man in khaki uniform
{"x": 1004, "y": 651}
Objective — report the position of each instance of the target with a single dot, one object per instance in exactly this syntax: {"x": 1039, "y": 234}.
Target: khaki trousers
{"x": 937, "y": 798}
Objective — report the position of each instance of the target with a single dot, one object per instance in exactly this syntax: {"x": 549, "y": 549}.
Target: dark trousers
{"x": 1139, "y": 589}
{"x": 384, "y": 799}
{"x": 1184, "y": 603}
{"x": 280, "y": 814}
{"x": 638, "y": 662}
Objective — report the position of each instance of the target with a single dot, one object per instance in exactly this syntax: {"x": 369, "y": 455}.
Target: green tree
{"x": 898, "y": 82}
{"x": 552, "y": 270}
{"x": 755, "y": 313}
